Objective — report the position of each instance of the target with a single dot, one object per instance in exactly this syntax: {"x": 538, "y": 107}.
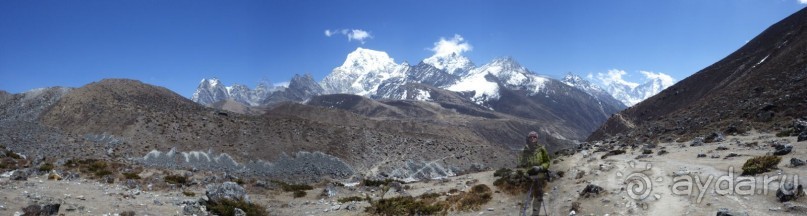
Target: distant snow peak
{"x": 484, "y": 81}
{"x": 212, "y": 90}
{"x": 363, "y": 71}
{"x": 453, "y": 63}
{"x": 631, "y": 93}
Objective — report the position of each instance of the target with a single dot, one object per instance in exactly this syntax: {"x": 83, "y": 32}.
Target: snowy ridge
{"x": 453, "y": 64}
{"x": 363, "y": 71}
{"x": 212, "y": 90}
{"x": 483, "y": 80}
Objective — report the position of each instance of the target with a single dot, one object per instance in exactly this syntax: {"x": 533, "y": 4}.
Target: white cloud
{"x": 666, "y": 80}
{"x": 803, "y": 1}
{"x": 359, "y": 35}
{"x": 614, "y": 76}
{"x": 351, "y": 34}
{"x": 457, "y": 44}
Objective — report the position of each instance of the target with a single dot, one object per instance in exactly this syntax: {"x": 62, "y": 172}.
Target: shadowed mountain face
{"x": 759, "y": 86}
{"x": 127, "y": 120}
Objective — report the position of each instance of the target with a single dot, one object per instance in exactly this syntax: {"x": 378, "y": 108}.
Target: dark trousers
{"x": 538, "y": 184}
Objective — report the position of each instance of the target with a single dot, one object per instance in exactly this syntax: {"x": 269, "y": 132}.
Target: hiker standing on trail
{"x": 536, "y": 159}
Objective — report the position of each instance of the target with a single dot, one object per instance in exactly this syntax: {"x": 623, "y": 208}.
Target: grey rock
{"x": 50, "y": 209}
{"x": 698, "y": 141}
{"x": 239, "y": 212}
{"x": 19, "y": 175}
{"x": 157, "y": 202}
{"x": 591, "y": 190}
{"x": 714, "y": 137}
{"x": 802, "y": 136}
{"x": 227, "y": 190}
{"x": 194, "y": 209}
{"x": 783, "y": 149}
{"x": 352, "y": 207}
{"x": 726, "y": 212}
{"x": 701, "y": 155}
{"x": 795, "y": 208}
{"x": 722, "y": 147}
{"x": 788, "y": 192}
{"x": 795, "y": 162}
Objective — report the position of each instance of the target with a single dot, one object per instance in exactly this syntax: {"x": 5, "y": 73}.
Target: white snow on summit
{"x": 631, "y": 93}
{"x": 482, "y": 80}
{"x": 363, "y": 71}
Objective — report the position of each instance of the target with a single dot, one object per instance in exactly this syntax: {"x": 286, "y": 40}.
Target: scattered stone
{"x": 794, "y": 208}
{"x": 157, "y": 202}
{"x": 647, "y": 151}
{"x": 795, "y": 162}
{"x": 782, "y": 149}
{"x": 643, "y": 156}
{"x": 802, "y": 136}
{"x": 352, "y": 207}
{"x": 239, "y": 212}
{"x": 490, "y": 209}
{"x": 726, "y": 212}
{"x": 788, "y": 192}
{"x": 606, "y": 167}
{"x": 731, "y": 155}
{"x": 722, "y": 147}
{"x": 715, "y": 156}
{"x": 19, "y": 175}
{"x": 580, "y": 174}
{"x": 662, "y": 152}
{"x": 714, "y": 137}
{"x": 227, "y": 190}
{"x": 194, "y": 209}
{"x": 37, "y": 210}
{"x": 612, "y": 153}
{"x": 698, "y": 141}
{"x": 591, "y": 190}
{"x": 701, "y": 155}
{"x": 50, "y": 209}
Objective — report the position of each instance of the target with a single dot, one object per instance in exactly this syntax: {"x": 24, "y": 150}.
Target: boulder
{"x": 194, "y": 209}
{"x": 227, "y": 190}
{"x": 239, "y": 212}
{"x": 788, "y": 191}
{"x": 714, "y": 137}
{"x": 698, "y": 141}
{"x": 802, "y": 136}
{"x": 726, "y": 212}
{"x": 783, "y": 149}
{"x": 37, "y": 210}
{"x": 19, "y": 175}
{"x": 795, "y": 162}
{"x": 50, "y": 209}
{"x": 591, "y": 190}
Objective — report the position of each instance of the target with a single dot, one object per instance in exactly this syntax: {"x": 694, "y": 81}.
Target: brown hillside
{"x": 759, "y": 86}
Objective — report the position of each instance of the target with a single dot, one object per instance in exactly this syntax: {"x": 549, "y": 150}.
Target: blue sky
{"x": 177, "y": 43}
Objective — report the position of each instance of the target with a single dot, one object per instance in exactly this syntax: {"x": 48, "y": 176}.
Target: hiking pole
{"x": 527, "y": 199}
{"x": 545, "y": 211}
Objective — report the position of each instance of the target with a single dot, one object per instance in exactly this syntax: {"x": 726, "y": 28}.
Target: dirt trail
{"x": 87, "y": 197}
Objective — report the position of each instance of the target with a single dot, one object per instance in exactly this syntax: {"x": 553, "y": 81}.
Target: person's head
{"x": 532, "y": 137}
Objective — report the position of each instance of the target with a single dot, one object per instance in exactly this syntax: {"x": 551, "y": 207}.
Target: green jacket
{"x": 535, "y": 157}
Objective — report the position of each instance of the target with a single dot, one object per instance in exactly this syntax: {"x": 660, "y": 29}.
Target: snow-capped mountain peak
{"x": 453, "y": 63}
{"x": 506, "y": 71}
{"x": 363, "y": 71}
{"x": 366, "y": 60}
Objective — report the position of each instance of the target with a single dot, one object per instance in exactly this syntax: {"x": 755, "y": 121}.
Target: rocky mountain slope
{"x": 126, "y": 120}
{"x": 761, "y": 86}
